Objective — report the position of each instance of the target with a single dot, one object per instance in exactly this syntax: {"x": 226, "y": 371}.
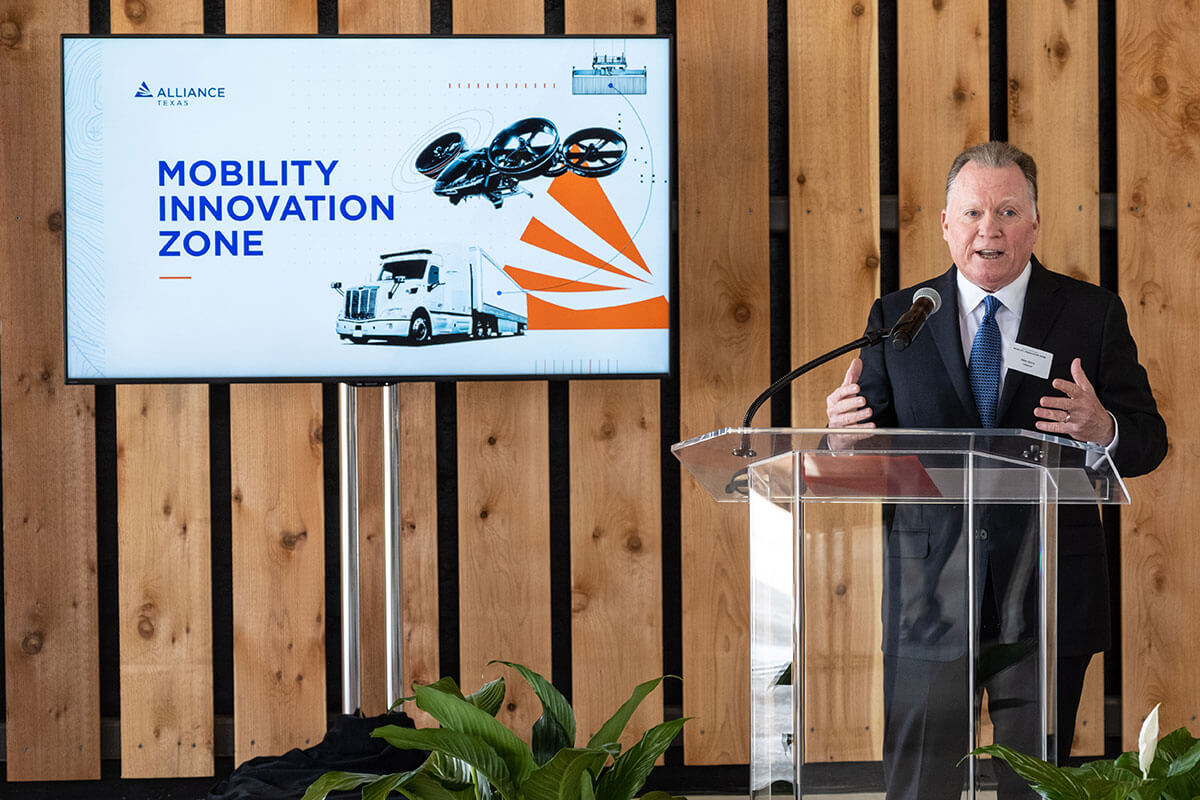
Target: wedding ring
{"x": 1067, "y": 418}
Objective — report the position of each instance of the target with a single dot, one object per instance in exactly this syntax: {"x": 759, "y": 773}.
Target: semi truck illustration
{"x": 427, "y": 293}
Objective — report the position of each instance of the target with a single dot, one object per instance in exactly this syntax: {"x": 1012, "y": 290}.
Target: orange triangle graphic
{"x": 538, "y": 234}
{"x": 650, "y": 313}
{"x": 585, "y": 199}
{"x": 540, "y": 282}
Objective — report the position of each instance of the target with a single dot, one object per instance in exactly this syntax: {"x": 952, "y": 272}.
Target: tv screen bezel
{"x": 672, "y": 355}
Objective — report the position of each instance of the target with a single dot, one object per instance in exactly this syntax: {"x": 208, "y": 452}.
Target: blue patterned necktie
{"x": 984, "y": 368}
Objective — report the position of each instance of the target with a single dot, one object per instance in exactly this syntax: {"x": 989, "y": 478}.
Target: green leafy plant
{"x": 1167, "y": 769}
{"x": 473, "y": 756}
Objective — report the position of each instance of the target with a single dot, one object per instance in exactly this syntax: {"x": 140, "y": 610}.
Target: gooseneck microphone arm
{"x": 869, "y": 339}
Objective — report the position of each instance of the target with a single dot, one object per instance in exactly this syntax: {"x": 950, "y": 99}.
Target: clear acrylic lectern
{"x": 871, "y": 542}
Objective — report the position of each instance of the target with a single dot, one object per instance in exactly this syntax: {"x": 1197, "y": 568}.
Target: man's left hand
{"x": 1079, "y": 414}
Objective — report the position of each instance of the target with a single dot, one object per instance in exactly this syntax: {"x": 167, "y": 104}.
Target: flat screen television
{"x": 366, "y": 209}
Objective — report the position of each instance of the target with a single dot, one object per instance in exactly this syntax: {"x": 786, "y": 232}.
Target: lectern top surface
{"x": 900, "y": 466}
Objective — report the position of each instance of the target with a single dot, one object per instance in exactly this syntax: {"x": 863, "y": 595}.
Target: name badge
{"x": 1029, "y": 360}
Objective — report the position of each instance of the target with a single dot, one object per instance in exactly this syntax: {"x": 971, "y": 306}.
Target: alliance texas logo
{"x": 179, "y": 95}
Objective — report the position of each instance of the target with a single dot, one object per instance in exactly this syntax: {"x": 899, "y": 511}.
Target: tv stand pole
{"x": 348, "y": 506}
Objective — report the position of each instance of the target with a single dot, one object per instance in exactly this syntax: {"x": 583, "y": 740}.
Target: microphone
{"x": 926, "y": 302}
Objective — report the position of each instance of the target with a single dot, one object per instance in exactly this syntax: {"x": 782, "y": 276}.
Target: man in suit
{"x": 1095, "y": 391}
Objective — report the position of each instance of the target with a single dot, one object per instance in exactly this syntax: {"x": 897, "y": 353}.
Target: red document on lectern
{"x": 833, "y": 474}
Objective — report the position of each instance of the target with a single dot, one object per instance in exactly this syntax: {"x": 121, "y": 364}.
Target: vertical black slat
{"x": 214, "y": 17}
{"x": 998, "y": 69}
{"x": 221, "y": 514}
{"x": 441, "y": 22}
{"x": 107, "y": 566}
{"x": 559, "y": 487}
{"x": 889, "y": 150}
{"x": 446, "y": 414}
{"x": 333, "y": 544}
{"x": 777, "y": 179}
{"x": 327, "y": 25}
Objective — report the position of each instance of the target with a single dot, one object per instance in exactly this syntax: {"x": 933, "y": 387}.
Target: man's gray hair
{"x": 996, "y": 155}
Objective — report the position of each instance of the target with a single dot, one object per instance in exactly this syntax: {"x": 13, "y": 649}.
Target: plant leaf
{"x": 630, "y": 769}
{"x": 1054, "y": 783}
{"x": 610, "y": 732}
{"x": 563, "y": 776}
{"x": 555, "y": 729}
{"x": 416, "y": 785}
{"x": 489, "y": 697}
{"x": 460, "y": 715}
{"x": 474, "y": 750}
{"x": 338, "y": 782}
{"x": 449, "y": 771}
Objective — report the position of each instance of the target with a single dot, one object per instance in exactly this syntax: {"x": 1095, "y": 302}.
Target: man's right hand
{"x": 845, "y": 407}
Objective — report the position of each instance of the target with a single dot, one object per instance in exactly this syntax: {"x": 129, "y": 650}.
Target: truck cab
{"x": 422, "y": 294}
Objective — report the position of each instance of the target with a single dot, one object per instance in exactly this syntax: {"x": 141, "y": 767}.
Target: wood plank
{"x": 278, "y": 522}
{"x": 834, "y": 193}
{"x": 612, "y": 17}
{"x": 503, "y": 464}
{"x": 51, "y": 651}
{"x": 419, "y": 544}
{"x": 834, "y": 187}
{"x": 381, "y": 16}
{"x": 418, "y": 500}
{"x": 942, "y": 109}
{"x": 499, "y": 16}
{"x": 146, "y": 16}
{"x": 271, "y": 16}
{"x": 724, "y": 318}
{"x": 278, "y": 568}
{"x": 616, "y": 551}
{"x": 164, "y": 545}
{"x": 616, "y": 511}
{"x": 504, "y": 534}
{"x": 1053, "y": 113}
{"x": 1158, "y": 115}
{"x": 372, "y": 557}
{"x": 164, "y": 530}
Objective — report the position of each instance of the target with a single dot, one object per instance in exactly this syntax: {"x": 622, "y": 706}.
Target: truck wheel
{"x": 419, "y": 330}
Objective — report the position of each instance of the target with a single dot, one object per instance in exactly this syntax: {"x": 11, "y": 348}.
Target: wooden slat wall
{"x": 1158, "y": 222}
{"x": 942, "y": 107}
{"x": 724, "y": 317}
{"x": 164, "y": 540}
{"x": 616, "y": 511}
{"x": 50, "y": 611}
{"x": 834, "y": 192}
{"x": 1053, "y": 114}
{"x": 418, "y": 499}
{"x": 278, "y": 522}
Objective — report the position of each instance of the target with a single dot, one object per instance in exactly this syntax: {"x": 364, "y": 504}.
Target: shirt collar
{"x": 1012, "y": 295}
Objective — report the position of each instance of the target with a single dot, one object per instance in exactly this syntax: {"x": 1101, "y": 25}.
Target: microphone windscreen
{"x": 931, "y": 295}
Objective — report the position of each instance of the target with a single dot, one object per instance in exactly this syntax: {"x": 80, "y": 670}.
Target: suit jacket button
{"x": 983, "y": 534}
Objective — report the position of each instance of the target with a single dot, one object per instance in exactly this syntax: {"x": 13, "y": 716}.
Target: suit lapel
{"x": 945, "y": 330}
{"x": 1043, "y": 302}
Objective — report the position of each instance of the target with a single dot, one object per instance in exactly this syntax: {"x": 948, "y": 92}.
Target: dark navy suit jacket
{"x": 926, "y": 386}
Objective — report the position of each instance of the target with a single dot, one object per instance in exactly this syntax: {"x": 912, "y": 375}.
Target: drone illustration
{"x": 528, "y": 148}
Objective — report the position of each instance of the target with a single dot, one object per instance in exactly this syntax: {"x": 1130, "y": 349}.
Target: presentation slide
{"x": 363, "y": 208}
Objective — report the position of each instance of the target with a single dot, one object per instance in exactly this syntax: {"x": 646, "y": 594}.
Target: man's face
{"x": 990, "y": 224}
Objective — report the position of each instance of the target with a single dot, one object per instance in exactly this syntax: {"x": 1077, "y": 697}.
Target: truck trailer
{"x": 423, "y": 294}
